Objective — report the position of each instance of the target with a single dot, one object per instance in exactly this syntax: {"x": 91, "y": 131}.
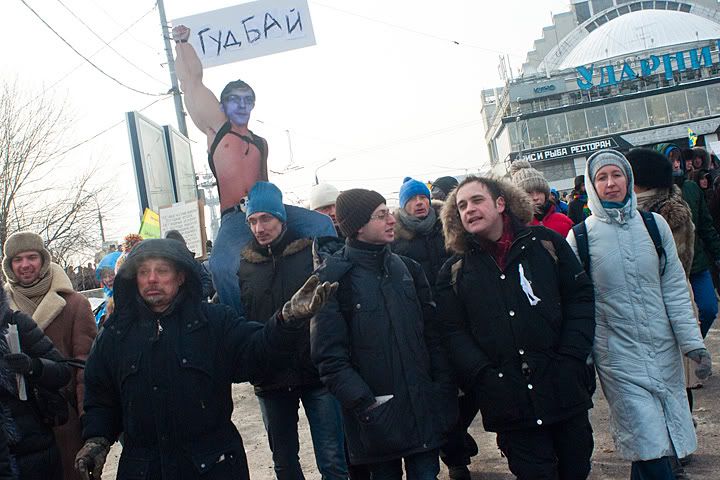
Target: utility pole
{"x": 182, "y": 126}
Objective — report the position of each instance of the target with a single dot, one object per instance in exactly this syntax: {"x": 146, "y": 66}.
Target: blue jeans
{"x": 421, "y": 466}
{"x": 280, "y": 415}
{"x": 658, "y": 469}
{"x": 705, "y": 298}
{"x": 234, "y": 234}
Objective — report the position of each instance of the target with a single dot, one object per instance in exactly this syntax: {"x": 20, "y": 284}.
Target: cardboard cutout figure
{"x": 238, "y": 159}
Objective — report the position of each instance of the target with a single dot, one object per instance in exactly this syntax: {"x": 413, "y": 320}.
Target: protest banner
{"x": 150, "y": 225}
{"x": 249, "y": 30}
{"x": 188, "y": 219}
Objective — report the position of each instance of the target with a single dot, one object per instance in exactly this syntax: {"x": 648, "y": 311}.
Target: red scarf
{"x": 499, "y": 250}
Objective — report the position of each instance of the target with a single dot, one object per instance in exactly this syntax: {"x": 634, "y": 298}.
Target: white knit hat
{"x": 323, "y": 195}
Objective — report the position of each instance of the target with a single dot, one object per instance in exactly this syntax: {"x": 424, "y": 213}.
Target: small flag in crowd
{"x": 692, "y": 138}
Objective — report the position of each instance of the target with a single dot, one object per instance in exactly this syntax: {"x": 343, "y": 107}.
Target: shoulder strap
{"x": 455, "y": 269}
{"x": 583, "y": 247}
{"x": 652, "y": 228}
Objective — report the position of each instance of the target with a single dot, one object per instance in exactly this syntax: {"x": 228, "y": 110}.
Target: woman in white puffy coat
{"x": 644, "y": 323}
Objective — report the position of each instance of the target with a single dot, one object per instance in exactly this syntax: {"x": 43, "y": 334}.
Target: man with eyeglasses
{"x": 237, "y": 158}
{"x": 378, "y": 349}
{"x": 274, "y": 265}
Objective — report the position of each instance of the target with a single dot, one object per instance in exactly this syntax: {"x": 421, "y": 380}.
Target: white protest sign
{"x": 249, "y": 30}
{"x": 185, "y": 218}
{"x": 715, "y": 147}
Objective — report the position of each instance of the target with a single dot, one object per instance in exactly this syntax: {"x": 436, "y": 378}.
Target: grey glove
{"x": 90, "y": 460}
{"x": 21, "y": 363}
{"x": 702, "y": 357}
{"x": 308, "y": 300}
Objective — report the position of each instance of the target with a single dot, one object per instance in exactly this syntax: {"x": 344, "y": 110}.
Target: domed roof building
{"x": 609, "y": 74}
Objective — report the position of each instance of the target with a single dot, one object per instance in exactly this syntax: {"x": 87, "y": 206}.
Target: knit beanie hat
{"x": 323, "y": 195}
{"x": 354, "y": 207}
{"x": 603, "y": 158}
{"x": 651, "y": 168}
{"x": 579, "y": 180}
{"x": 24, "y": 242}
{"x": 528, "y": 178}
{"x": 446, "y": 184}
{"x": 411, "y": 188}
{"x": 266, "y": 197}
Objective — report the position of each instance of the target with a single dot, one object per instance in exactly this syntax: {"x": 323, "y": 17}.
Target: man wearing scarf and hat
{"x": 40, "y": 288}
{"x": 378, "y": 348}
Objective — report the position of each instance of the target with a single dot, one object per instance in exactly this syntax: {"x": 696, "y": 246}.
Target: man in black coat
{"x": 31, "y": 442}
{"x": 6, "y": 466}
{"x": 518, "y": 314}
{"x": 162, "y": 368}
{"x": 274, "y": 265}
{"x": 419, "y": 236}
{"x": 378, "y": 349}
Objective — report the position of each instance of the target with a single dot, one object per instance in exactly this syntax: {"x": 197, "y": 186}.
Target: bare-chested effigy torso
{"x": 238, "y": 162}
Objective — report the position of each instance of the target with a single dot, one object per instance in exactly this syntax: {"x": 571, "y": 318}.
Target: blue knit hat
{"x": 266, "y": 197}
{"x": 411, "y": 188}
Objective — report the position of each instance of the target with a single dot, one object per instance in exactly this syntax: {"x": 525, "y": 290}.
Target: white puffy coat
{"x": 644, "y": 322}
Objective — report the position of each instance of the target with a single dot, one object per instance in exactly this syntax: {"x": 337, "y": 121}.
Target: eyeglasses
{"x": 382, "y": 216}
{"x": 246, "y": 100}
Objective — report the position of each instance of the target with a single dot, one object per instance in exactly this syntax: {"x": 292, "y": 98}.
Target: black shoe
{"x": 686, "y": 460}
{"x": 459, "y": 472}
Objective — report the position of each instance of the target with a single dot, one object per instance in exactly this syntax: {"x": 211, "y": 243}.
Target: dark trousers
{"x": 461, "y": 445}
{"x": 42, "y": 465}
{"x": 280, "y": 414}
{"x": 555, "y": 452}
{"x": 658, "y": 469}
{"x": 421, "y": 466}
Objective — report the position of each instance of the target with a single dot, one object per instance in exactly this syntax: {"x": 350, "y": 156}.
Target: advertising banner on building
{"x": 570, "y": 150}
{"x": 249, "y": 30}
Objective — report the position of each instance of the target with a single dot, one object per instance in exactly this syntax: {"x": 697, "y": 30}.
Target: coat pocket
{"x": 133, "y": 468}
{"x": 382, "y": 431}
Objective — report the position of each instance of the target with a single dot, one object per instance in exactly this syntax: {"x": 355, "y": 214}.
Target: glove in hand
{"x": 702, "y": 357}
{"x": 91, "y": 458}
{"x": 20, "y": 363}
{"x": 308, "y": 300}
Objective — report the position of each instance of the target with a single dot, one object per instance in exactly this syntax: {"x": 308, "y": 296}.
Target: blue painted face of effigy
{"x": 238, "y": 105}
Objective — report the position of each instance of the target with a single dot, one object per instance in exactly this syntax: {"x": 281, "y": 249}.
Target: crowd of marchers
{"x": 472, "y": 298}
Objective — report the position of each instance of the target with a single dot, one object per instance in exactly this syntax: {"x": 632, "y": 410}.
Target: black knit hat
{"x": 651, "y": 169}
{"x": 446, "y": 184}
{"x": 579, "y": 180}
{"x": 354, "y": 207}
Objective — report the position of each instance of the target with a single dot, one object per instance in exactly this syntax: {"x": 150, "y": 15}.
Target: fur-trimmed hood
{"x": 250, "y": 253}
{"x": 517, "y": 202}
{"x": 668, "y": 203}
{"x": 404, "y": 233}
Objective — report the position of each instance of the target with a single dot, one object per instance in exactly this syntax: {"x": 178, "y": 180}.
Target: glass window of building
{"x": 697, "y": 101}
{"x": 582, "y": 11}
{"x": 617, "y": 117}
{"x": 597, "y": 122}
{"x": 537, "y": 129}
{"x": 657, "y": 110}
{"x": 557, "y": 128}
{"x": 677, "y": 106}
{"x": 514, "y": 131}
{"x": 713, "y": 93}
{"x": 637, "y": 114}
{"x": 600, "y": 5}
{"x": 577, "y": 125}
{"x": 557, "y": 170}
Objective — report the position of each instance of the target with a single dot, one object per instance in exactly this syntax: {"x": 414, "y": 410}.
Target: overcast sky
{"x": 386, "y": 90}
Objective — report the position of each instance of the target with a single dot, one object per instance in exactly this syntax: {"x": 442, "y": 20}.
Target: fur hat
{"x": 651, "y": 168}
{"x": 354, "y": 207}
{"x": 529, "y": 179}
{"x": 24, "y": 242}
{"x": 323, "y": 195}
{"x": 411, "y": 188}
{"x": 266, "y": 197}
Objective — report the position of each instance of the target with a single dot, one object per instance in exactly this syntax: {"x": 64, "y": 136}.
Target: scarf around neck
{"x": 42, "y": 300}
{"x": 421, "y": 226}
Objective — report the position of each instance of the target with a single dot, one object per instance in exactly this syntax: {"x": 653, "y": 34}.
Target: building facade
{"x": 609, "y": 74}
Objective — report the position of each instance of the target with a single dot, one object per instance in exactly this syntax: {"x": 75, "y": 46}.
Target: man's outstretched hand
{"x": 180, "y": 33}
{"x": 307, "y": 301}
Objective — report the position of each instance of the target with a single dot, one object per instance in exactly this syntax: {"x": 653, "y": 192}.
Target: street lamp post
{"x": 318, "y": 168}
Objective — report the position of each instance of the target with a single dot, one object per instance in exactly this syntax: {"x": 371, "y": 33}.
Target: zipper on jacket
{"x": 159, "y": 327}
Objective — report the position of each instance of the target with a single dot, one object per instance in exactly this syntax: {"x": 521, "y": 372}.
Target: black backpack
{"x": 583, "y": 247}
